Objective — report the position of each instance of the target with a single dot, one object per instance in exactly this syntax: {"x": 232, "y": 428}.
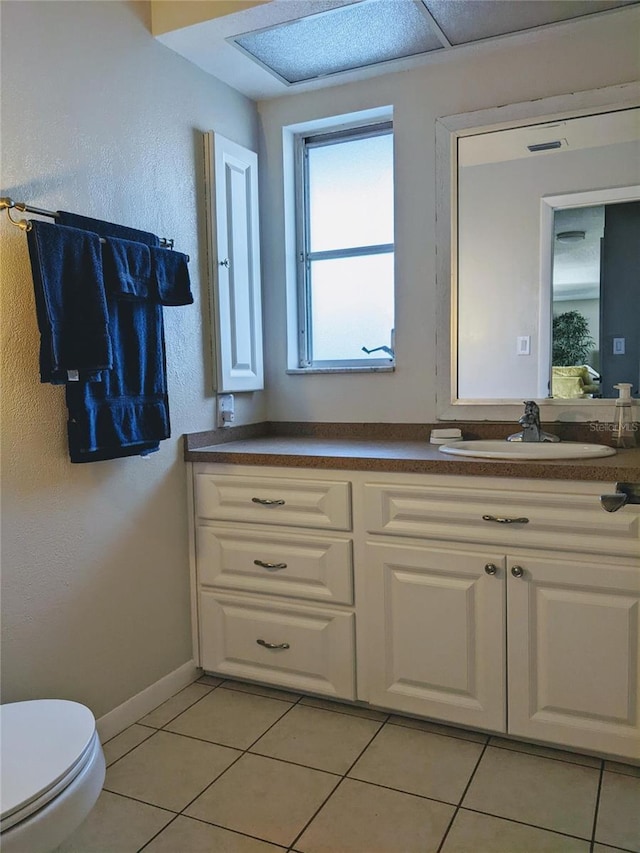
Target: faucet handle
{"x": 626, "y": 493}
{"x": 612, "y": 503}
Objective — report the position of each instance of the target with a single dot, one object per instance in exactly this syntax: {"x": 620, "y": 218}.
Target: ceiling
{"x": 269, "y": 49}
{"x": 570, "y": 134}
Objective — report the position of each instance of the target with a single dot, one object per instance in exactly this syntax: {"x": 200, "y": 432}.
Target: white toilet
{"x": 52, "y": 772}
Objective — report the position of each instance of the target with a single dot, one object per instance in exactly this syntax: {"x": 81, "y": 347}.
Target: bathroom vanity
{"x": 494, "y": 595}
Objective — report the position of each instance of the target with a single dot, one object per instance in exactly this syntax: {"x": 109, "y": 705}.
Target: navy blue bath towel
{"x": 127, "y": 414}
{"x": 70, "y": 302}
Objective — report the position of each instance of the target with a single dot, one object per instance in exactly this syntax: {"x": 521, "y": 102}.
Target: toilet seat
{"x": 52, "y": 770}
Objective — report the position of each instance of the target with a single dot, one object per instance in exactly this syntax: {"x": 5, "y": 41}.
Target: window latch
{"x": 388, "y": 350}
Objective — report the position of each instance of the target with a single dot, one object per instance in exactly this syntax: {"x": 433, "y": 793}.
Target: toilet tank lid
{"x": 41, "y": 741}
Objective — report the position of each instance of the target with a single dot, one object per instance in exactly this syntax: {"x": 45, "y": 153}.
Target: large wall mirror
{"x": 539, "y": 256}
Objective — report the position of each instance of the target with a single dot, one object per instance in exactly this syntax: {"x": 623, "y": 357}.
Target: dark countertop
{"x": 393, "y": 448}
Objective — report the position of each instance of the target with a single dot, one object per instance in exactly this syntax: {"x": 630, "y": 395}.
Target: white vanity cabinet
{"x": 273, "y": 581}
{"x": 508, "y": 605}
{"x": 533, "y": 630}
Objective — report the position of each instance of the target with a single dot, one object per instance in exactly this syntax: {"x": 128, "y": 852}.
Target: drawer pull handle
{"x": 268, "y": 501}
{"x": 499, "y": 520}
{"x": 272, "y": 645}
{"x": 269, "y": 565}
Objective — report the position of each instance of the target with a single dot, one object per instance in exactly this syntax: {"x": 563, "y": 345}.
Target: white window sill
{"x": 301, "y": 371}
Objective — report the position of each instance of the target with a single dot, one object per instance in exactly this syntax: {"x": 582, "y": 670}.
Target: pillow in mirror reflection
{"x": 572, "y": 382}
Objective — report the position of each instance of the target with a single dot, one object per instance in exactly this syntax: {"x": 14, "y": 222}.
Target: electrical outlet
{"x": 618, "y": 346}
{"x": 226, "y": 411}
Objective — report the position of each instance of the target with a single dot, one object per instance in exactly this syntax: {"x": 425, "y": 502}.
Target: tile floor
{"x": 229, "y": 767}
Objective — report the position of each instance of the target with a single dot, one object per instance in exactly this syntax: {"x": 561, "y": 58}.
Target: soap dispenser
{"x": 624, "y": 428}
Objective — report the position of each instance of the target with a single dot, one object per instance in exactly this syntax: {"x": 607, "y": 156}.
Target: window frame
{"x": 304, "y": 257}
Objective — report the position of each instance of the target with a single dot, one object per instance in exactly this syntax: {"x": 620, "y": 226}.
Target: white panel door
{"x": 574, "y": 654}
{"x": 232, "y": 194}
{"x": 436, "y": 643}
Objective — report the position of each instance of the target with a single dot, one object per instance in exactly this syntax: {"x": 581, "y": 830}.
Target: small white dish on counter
{"x": 446, "y": 435}
{"x": 502, "y": 449}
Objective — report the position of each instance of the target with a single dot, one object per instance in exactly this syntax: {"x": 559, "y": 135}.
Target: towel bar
{"x": 7, "y": 204}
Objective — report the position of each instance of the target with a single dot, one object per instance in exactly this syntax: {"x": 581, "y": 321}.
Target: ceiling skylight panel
{"x": 354, "y": 36}
{"x": 462, "y": 21}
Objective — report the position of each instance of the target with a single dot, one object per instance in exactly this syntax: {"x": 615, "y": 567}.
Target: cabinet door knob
{"x": 265, "y": 565}
{"x": 491, "y": 568}
{"x": 499, "y": 520}
{"x": 224, "y": 263}
{"x": 517, "y": 571}
{"x": 268, "y": 501}
{"x": 272, "y": 645}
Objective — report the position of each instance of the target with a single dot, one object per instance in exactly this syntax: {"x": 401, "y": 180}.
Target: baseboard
{"x": 142, "y": 703}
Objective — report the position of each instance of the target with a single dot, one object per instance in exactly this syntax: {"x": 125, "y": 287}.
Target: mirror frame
{"x": 448, "y": 130}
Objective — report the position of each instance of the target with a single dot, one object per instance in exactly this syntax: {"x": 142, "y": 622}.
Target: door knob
{"x": 491, "y": 568}
{"x": 517, "y": 571}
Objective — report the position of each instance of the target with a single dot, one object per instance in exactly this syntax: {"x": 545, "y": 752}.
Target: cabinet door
{"x": 573, "y": 653}
{"x": 234, "y": 256}
{"x": 436, "y": 633}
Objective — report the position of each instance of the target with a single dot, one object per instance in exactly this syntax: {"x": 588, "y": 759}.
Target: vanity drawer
{"x": 301, "y": 647}
{"x": 554, "y": 518}
{"x": 273, "y": 500}
{"x": 298, "y": 565}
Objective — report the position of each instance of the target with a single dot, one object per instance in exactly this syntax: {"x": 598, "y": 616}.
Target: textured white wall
{"x": 100, "y": 119}
{"x": 594, "y": 53}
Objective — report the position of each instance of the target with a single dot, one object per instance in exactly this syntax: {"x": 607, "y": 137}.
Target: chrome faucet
{"x": 530, "y": 421}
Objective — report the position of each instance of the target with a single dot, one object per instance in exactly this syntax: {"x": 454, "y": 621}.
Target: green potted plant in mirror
{"x": 572, "y": 343}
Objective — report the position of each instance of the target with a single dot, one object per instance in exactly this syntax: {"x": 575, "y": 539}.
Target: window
{"x": 345, "y": 248}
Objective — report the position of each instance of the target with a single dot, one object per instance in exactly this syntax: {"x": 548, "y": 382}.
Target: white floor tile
{"x": 116, "y": 825}
{"x": 230, "y": 717}
{"x": 419, "y": 763}
{"x": 168, "y": 770}
{"x": 539, "y": 791}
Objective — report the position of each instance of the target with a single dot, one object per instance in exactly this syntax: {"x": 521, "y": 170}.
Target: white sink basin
{"x": 502, "y": 449}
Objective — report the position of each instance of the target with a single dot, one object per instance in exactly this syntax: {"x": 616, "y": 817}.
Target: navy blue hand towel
{"x": 127, "y": 268}
{"x": 71, "y": 308}
{"x": 107, "y": 229}
{"x": 171, "y": 276}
